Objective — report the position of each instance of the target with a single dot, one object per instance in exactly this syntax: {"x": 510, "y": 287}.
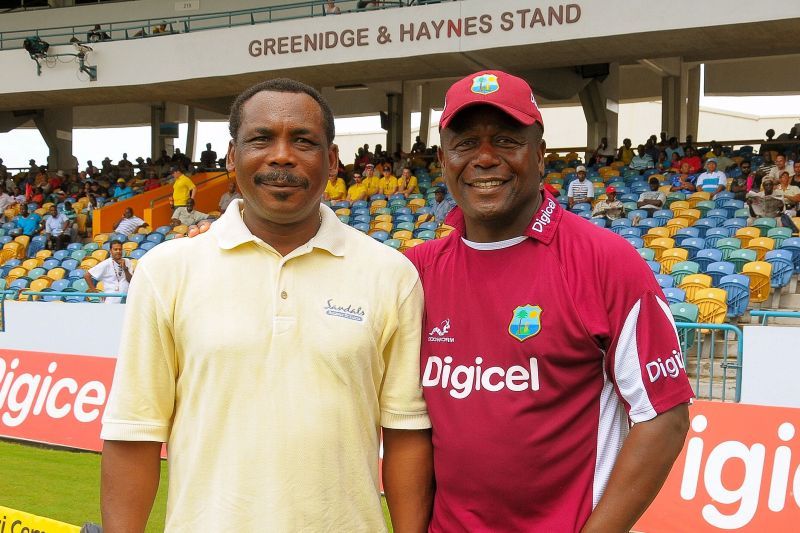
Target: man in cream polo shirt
{"x": 268, "y": 385}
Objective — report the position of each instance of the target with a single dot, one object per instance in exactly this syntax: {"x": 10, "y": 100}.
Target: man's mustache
{"x": 281, "y": 178}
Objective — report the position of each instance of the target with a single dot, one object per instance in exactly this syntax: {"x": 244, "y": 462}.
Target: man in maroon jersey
{"x": 545, "y": 337}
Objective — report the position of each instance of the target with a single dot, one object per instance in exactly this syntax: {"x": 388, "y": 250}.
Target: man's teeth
{"x": 487, "y": 184}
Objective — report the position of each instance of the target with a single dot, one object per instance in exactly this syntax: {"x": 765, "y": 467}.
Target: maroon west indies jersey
{"x": 535, "y": 359}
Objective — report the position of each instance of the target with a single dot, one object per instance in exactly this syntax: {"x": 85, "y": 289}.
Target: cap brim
{"x": 519, "y": 116}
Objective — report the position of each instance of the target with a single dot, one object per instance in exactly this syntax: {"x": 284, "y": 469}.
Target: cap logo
{"x": 485, "y": 84}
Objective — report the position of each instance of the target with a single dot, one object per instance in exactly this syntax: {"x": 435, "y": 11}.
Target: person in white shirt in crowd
{"x": 6, "y": 200}
{"x": 712, "y": 180}
{"x": 188, "y": 215}
{"x": 115, "y": 273}
{"x": 780, "y": 167}
{"x": 331, "y": 8}
{"x": 610, "y": 208}
{"x": 230, "y": 195}
{"x": 581, "y": 190}
{"x": 604, "y": 155}
{"x": 642, "y": 160}
{"x": 129, "y": 224}
{"x": 55, "y": 228}
{"x": 652, "y": 200}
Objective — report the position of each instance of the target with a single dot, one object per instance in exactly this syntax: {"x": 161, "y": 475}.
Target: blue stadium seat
{"x": 734, "y": 223}
{"x": 731, "y": 206}
{"x": 360, "y": 204}
{"x": 631, "y": 232}
{"x": 665, "y": 280}
{"x": 599, "y": 222}
{"x": 51, "y": 263}
{"x": 647, "y": 223}
{"x": 404, "y": 218}
{"x": 674, "y": 295}
{"x": 5, "y": 239}
{"x": 640, "y": 213}
{"x": 91, "y": 247}
{"x": 76, "y": 274}
{"x": 715, "y": 234}
{"x": 737, "y": 287}
{"x": 70, "y": 264}
{"x": 686, "y": 233}
{"x": 662, "y": 216}
{"x": 707, "y": 256}
{"x": 719, "y": 215}
{"x": 793, "y": 245}
{"x": 14, "y": 262}
{"x": 693, "y": 245}
{"x": 155, "y": 237}
{"x": 718, "y": 269}
{"x": 38, "y": 243}
{"x": 618, "y": 225}
{"x": 655, "y": 266}
{"x": 138, "y": 238}
{"x": 163, "y": 229}
{"x": 705, "y": 224}
{"x": 782, "y": 267}
{"x": 60, "y": 285}
{"x": 61, "y": 255}
{"x": 636, "y": 242}
{"x": 137, "y": 253}
{"x": 361, "y": 226}
{"x": 74, "y": 246}
{"x": 721, "y": 198}
{"x": 147, "y": 245}
{"x": 380, "y": 235}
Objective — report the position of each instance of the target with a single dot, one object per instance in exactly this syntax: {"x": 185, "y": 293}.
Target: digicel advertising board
{"x": 54, "y": 398}
{"x": 739, "y": 471}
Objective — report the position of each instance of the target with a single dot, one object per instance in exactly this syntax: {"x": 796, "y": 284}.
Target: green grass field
{"x": 65, "y": 485}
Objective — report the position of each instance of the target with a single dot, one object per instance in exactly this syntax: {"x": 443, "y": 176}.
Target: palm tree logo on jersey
{"x": 485, "y": 84}
{"x": 525, "y": 322}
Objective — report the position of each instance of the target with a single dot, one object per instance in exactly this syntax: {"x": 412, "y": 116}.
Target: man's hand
{"x": 408, "y": 478}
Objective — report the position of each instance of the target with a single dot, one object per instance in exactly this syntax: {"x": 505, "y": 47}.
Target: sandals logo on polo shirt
{"x": 525, "y": 322}
{"x": 544, "y": 217}
{"x": 438, "y": 333}
{"x": 349, "y": 312}
{"x": 485, "y": 84}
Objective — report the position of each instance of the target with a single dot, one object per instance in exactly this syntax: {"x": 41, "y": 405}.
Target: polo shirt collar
{"x": 231, "y": 231}
{"x": 542, "y": 226}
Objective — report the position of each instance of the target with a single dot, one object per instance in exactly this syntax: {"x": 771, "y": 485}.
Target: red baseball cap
{"x": 508, "y": 93}
{"x": 611, "y": 189}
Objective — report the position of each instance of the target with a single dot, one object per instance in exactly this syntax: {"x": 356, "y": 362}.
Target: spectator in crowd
{"x": 96, "y": 34}
{"x": 357, "y": 191}
{"x": 187, "y": 215}
{"x": 442, "y": 204}
{"x": 673, "y": 148}
{"x": 581, "y": 190}
{"x": 3, "y": 171}
{"x": 724, "y": 163}
{"x": 387, "y": 185}
{"x": 183, "y": 188}
{"x": 625, "y": 153}
{"x": 663, "y": 143}
{"x": 790, "y": 194}
{"x": 115, "y": 273}
{"x": 652, "y": 200}
{"x": 229, "y": 196}
{"x": 779, "y": 168}
{"x": 769, "y": 144}
{"x": 694, "y": 162}
{"x": 766, "y": 204}
{"x": 651, "y": 149}
{"x": 129, "y": 223}
{"x": 122, "y": 191}
{"x": 331, "y": 8}
{"x": 91, "y": 170}
{"x": 796, "y": 178}
{"x": 335, "y": 189}
{"x": 72, "y": 218}
{"x": 604, "y": 154}
{"x": 6, "y": 200}
{"x": 683, "y": 180}
{"x": 125, "y": 167}
{"x": 407, "y": 183}
{"x": 609, "y": 208}
{"x": 56, "y": 228}
{"x": 152, "y": 181}
{"x": 674, "y": 163}
{"x": 418, "y": 147}
{"x": 371, "y": 181}
{"x": 712, "y": 180}
{"x": 29, "y": 223}
{"x": 739, "y": 186}
{"x": 641, "y": 161}
{"x": 208, "y": 159}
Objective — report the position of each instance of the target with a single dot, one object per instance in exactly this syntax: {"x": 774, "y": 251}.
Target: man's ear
{"x": 230, "y": 164}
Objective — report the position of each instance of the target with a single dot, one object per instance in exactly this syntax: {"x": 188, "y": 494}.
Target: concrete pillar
{"x": 425, "y": 113}
{"x": 411, "y": 98}
{"x": 394, "y": 104}
{"x": 669, "y": 105}
{"x": 55, "y": 125}
{"x": 156, "y": 141}
{"x": 693, "y": 103}
{"x": 600, "y": 101}
{"x": 191, "y": 133}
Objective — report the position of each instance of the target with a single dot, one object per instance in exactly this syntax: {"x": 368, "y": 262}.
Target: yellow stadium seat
{"x": 761, "y": 245}
{"x": 6, "y": 254}
{"x": 16, "y": 249}
{"x": 81, "y": 219}
{"x": 10, "y": 213}
{"x": 415, "y": 204}
{"x": 43, "y": 254}
{"x": 617, "y": 164}
{"x": 41, "y": 211}
{"x": 181, "y": 229}
{"x": 759, "y": 273}
{"x": 424, "y": 218}
{"x": 712, "y": 305}
{"x": 127, "y": 248}
{"x": 383, "y": 218}
{"x": 14, "y": 273}
{"x": 676, "y": 224}
{"x": 377, "y": 204}
{"x": 665, "y": 189}
{"x": 671, "y": 256}
{"x": 30, "y": 264}
{"x": 655, "y": 233}
{"x": 679, "y": 207}
{"x": 56, "y": 273}
{"x": 697, "y": 197}
{"x": 692, "y": 215}
{"x": 23, "y": 240}
{"x": 343, "y": 211}
{"x": 410, "y": 243}
{"x": 402, "y": 235}
{"x": 144, "y": 231}
{"x": 39, "y": 285}
{"x": 567, "y": 170}
{"x": 88, "y": 263}
{"x": 382, "y": 226}
{"x": 443, "y": 231}
{"x": 692, "y": 283}
{"x": 746, "y": 234}
{"x": 102, "y": 255}
{"x": 101, "y": 238}
{"x": 660, "y": 244}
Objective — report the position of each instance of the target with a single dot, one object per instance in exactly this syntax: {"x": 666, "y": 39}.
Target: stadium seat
{"x": 740, "y": 257}
{"x": 679, "y": 207}
{"x": 665, "y": 280}
{"x": 693, "y": 245}
{"x": 410, "y": 244}
{"x": 402, "y": 235}
{"x": 712, "y": 306}
{"x": 704, "y": 224}
{"x": 38, "y": 272}
{"x": 674, "y": 295}
{"x": 697, "y": 197}
{"x": 56, "y": 273}
{"x": 693, "y": 283}
{"x": 102, "y": 255}
{"x": 671, "y": 256}
{"x": 727, "y": 246}
{"x": 707, "y": 256}
{"x": 61, "y": 255}
{"x": 718, "y": 269}
{"x": 30, "y": 264}
{"x": 731, "y": 206}
{"x": 599, "y": 222}
{"x": 764, "y": 224}
{"x": 655, "y": 233}
{"x": 148, "y": 245}
{"x": 761, "y": 245}
{"x": 685, "y": 312}
{"x": 782, "y": 267}
{"x": 636, "y": 242}
{"x": 91, "y": 247}
{"x": 76, "y": 274}
{"x": 704, "y": 207}
{"x": 74, "y": 246}
{"x": 647, "y": 254}
{"x": 715, "y": 234}
{"x": 69, "y": 264}
{"x": 379, "y": 235}
{"x": 734, "y": 223}
{"x": 163, "y": 230}
{"x": 793, "y": 245}
{"x": 737, "y": 288}
{"x": 760, "y": 274}
{"x": 676, "y": 224}
{"x": 660, "y": 244}
{"x": 137, "y": 253}
{"x": 655, "y": 266}
{"x": 686, "y": 233}
{"x": 78, "y": 255}
{"x": 638, "y": 213}
{"x": 721, "y": 198}
{"x": 691, "y": 216}
{"x": 618, "y": 225}
{"x": 37, "y": 244}
{"x": 719, "y": 216}
{"x": 156, "y": 237}
{"x": 631, "y": 232}
{"x": 662, "y": 216}
{"x": 647, "y": 223}
{"x": 779, "y": 234}
{"x": 746, "y": 234}
{"x": 682, "y": 269}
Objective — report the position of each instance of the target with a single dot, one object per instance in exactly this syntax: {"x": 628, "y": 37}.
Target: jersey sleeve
{"x": 142, "y": 398}
{"x": 643, "y": 358}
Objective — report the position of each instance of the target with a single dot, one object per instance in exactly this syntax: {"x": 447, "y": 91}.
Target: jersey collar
{"x": 231, "y": 231}
{"x": 542, "y": 226}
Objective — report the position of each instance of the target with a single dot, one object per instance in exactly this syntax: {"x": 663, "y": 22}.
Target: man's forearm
{"x": 641, "y": 468}
{"x": 130, "y": 473}
{"x": 408, "y": 478}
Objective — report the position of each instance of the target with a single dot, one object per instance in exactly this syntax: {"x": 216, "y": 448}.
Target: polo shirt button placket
{"x": 284, "y": 295}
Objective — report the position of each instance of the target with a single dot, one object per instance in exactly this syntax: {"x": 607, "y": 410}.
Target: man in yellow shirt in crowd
{"x": 387, "y": 185}
{"x": 357, "y": 191}
{"x": 183, "y": 188}
{"x": 371, "y": 181}
{"x": 271, "y": 390}
{"x": 335, "y": 189}
{"x": 407, "y": 183}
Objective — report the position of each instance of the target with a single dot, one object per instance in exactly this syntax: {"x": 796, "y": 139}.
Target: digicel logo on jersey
{"x": 463, "y": 380}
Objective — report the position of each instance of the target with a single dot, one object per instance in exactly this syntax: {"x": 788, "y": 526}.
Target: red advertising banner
{"x": 54, "y": 398}
{"x": 739, "y": 470}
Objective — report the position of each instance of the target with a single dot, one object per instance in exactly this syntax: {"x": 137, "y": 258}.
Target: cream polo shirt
{"x": 269, "y": 377}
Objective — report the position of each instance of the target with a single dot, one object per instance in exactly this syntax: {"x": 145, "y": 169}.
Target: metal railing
{"x": 93, "y": 297}
{"x": 766, "y": 315}
{"x": 143, "y": 28}
{"x": 703, "y": 338}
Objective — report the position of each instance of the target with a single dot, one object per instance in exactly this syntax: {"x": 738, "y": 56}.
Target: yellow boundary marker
{"x": 15, "y": 521}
